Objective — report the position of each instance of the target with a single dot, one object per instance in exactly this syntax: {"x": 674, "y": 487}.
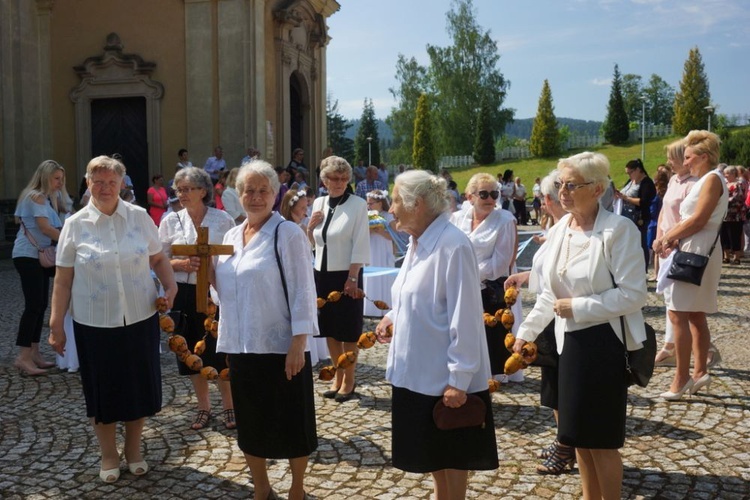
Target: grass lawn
{"x": 531, "y": 168}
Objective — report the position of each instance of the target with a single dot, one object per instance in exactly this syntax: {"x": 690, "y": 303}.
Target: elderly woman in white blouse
{"x": 231, "y": 199}
{"x": 593, "y": 285}
{"x": 493, "y": 235}
{"x": 438, "y": 350}
{"x": 269, "y": 312}
{"x": 104, "y": 260}
{"x": 195, "y": 191}
{"x": 338, "y": 227}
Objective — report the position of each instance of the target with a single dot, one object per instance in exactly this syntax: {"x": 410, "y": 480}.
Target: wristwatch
{"x": 353, "y": 279}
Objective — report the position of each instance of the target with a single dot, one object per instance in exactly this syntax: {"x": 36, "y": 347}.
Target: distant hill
{"x": 520, "y": 128}
{"x": 384, "y": 131}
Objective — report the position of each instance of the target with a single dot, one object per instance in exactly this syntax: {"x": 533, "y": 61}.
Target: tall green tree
{"x": 461, "y": 77}
{"x": 424, "y": 155}
{"x": 368, "y": 129}
{"x": 412, "y": 82}
{"x": 632, "y": 91}
{"x": 337, "y": 127}
{"x": 616, "y": 125}
{"x": 545, "y": 137}
{"x": 691, "y": 100}
{"x": 659, "y": 101}
{"x": 484, "y": 139}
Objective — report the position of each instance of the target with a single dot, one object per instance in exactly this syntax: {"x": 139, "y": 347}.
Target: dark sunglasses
{"x": 484, "y": 194}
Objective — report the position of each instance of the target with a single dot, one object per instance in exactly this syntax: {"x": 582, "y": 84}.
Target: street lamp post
{"x": 643, "y": 128}
{"x": 369, "y": 151}
{"x": 710, "y": 110}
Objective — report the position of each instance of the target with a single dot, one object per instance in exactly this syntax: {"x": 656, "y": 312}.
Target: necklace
{"x": 564, "y": 269}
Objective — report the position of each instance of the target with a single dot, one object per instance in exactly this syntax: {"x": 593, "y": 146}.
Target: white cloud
{"x": 601, "y": 82}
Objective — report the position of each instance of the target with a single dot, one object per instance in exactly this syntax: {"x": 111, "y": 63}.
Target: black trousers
{"x": 35, "y": 286}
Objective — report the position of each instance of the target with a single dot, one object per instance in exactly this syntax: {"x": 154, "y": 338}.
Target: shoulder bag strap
{"x": 29, "y": 236}
{"x": 278, "y": 262}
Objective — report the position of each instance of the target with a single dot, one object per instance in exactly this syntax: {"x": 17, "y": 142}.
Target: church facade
{"x": 143, "y": 79}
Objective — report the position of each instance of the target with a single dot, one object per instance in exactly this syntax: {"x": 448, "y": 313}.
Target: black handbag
{"x": 639, "y": 364}
{"x": 546, "y": 345}
{"x": 689, "y": 267}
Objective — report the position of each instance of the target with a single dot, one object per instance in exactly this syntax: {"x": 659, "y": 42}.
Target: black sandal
{"x": 549, "y": 450}
{"x": 229, "y": 420}
{"x": 201, "y": 420}
{"x": 562, "y": 458}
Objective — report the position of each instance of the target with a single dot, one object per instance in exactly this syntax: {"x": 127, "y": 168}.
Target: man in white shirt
{"x": 215, "y": 164}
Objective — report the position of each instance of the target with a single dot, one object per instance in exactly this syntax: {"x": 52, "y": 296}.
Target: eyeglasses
{"x": 484, "y": 194}
{"x": 570, "y": 186}
{"x": 336, "y": 179}
{"x": 186, "y": 190}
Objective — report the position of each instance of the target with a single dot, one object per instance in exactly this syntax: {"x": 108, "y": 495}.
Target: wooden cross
{"x": 205, "y": 251}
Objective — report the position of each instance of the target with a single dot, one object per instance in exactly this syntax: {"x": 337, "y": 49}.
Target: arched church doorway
{"x": 118, "y": 125}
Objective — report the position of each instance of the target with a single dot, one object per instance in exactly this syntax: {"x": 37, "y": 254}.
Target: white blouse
{"x": 438, "y": 336}
{"x": 348, "y": 235}
{"x": 177, "y": 228}
{"x": 109, "y": 254}
{"x": 494, "y": 241}
{"x": 254, "y": 313}
{"x": 230, "y": 198}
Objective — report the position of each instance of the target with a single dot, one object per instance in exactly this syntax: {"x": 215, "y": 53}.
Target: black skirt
{"x": 492, "y": 300}
{"x": 419, "y": 446}
{"x": 194, "y": 330}
{"x": 340, "y": 320}
{"x": 275, "y": 416}
{"x": 549, "y": 392}
{"x": 120, "y": 370}
{"x": 593, "y": 389}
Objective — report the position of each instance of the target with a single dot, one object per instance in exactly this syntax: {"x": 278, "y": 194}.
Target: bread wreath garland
{"x": 178, "y": 344}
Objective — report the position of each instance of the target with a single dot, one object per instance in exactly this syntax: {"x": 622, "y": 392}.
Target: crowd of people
{"x": 293, "y": 247}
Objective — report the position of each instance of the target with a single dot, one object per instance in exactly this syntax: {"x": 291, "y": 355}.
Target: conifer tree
{"x": 616, "y": 125}
{"x": 484, "y": 139}
{"x": 423, "y": 156}
{"x": 690, "y": 102}
{"x": 545, "y": 137}
{"x": 368, "y": 127}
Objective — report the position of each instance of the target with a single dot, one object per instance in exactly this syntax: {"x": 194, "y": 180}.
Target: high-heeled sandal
{"x": 704, "y": 381}
{"x": 549, "y": 450}
{"x": 28, "y": 369}
{"x": 138, "y": 468}
{"x": 109, "y": 475}
{"x": 564, "y": 457}
{"x": 229, "y": 420}
{"x": 665, "y": 357}
{"x": 674, "y": 396}
{"x": 201, "y": 420}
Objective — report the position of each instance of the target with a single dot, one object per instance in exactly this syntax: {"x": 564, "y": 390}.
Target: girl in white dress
{"x": 381, "y": 250}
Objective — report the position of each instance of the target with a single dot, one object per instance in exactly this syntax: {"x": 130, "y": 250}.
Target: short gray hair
{"x": 422, "y": 184}
{"x": 105, "y": 163}
{"x": 593, "y": 167}
{"x": 259, "y": 167}
{"x": 198, "y": 178}
{"x": 548, "y": 185}
{"x": 334, "y": 165}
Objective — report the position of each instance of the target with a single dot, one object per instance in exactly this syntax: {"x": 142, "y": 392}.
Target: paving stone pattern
{"x": 696, "y": 448}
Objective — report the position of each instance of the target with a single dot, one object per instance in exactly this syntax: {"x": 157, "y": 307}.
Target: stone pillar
{"x": 255, "y": 78}
{"x": 232, "y": 76}
{"x": 199, "y": 60}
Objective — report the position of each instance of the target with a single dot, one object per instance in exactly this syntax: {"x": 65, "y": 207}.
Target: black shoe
{"x": 330, "y": 394}
{"x": 341, "y": 397}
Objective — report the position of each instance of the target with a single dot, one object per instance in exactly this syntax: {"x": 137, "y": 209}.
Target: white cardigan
{"x": 348, "y": 235}
{"x": 615, "y": 248}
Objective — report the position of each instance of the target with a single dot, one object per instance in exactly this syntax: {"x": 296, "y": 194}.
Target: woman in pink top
{"x": 158, "y": 199}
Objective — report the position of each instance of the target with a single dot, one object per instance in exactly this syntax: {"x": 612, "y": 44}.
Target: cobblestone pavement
{"x": 696, "y": 448}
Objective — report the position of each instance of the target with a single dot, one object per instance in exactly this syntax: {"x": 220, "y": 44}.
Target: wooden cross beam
{"x": 205, "y": 251}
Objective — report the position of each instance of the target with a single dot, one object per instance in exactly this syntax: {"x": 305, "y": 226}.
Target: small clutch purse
{"x": 470, "y": 414}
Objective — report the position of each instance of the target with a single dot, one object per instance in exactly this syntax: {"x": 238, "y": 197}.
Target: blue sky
{"x": 572, "y": 43}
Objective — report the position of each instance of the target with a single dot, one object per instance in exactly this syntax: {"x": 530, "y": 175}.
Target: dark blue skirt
{"x": 120, "y": 370}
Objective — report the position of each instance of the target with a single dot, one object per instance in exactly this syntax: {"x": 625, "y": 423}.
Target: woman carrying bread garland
{"x": 338, "y": 228}
{"x": 268, "y": 313}
{"x": 194, "y": 190}
{"x": 438, "y": 349}
{"x": 593, "y": 282}
{"x": 493, "y": 235}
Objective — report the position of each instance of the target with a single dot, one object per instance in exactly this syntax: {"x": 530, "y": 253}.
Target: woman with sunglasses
{"x": 593, "y": 288}
{"x": 492, "y": 233}
{"x": 636, "y": 197}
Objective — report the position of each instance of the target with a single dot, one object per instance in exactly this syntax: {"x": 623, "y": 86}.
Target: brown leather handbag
{"x": 470, "y": 414}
